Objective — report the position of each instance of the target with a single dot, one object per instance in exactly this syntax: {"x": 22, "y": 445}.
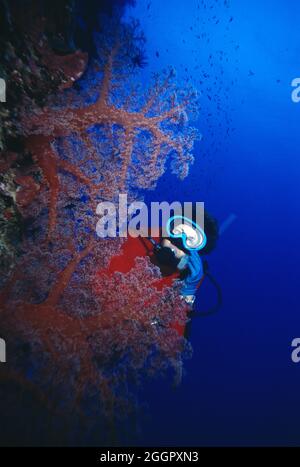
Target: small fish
{"x": 157, "y": 54}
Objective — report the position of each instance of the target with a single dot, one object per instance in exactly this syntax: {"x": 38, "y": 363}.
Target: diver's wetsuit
{"x": 125, "y": 261}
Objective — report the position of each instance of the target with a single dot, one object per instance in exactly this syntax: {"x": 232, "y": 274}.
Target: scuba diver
{"x": 178, "y": 256}
{"x": 181, "y": 251}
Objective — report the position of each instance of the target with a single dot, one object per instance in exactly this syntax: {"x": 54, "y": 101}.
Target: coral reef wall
{"x": 78, "y": 129}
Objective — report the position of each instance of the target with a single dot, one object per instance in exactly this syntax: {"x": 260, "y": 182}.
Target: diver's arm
{"x": 194, "y": 277}
{"x": 189, "y": 299}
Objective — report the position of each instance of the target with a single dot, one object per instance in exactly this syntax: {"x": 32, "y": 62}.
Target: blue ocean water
{"x": 241, "y": 386}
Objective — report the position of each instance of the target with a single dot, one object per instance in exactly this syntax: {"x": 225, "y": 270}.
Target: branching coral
{"x": 146, "y": 129}
{"x": 106, "y": 349}
{"x": 91, "y": 332}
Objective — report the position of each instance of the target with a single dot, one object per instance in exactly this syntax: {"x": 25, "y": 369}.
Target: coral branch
{"x": 93, "y": 328}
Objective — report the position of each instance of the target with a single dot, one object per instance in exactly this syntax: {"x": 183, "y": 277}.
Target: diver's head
{"x": 172, "y": 253}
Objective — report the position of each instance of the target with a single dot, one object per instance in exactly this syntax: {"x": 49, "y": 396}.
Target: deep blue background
{"x": 241, "y": 386}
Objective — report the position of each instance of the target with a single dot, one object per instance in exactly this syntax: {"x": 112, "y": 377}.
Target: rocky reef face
{"x": 38, "y": 59}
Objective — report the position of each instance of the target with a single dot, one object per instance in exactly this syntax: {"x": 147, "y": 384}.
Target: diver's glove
{"x": 196, "y": 273}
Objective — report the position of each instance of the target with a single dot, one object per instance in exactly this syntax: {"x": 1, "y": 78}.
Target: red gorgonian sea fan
{"x": 123, "y": 136}
{"x": 90, "y": 332}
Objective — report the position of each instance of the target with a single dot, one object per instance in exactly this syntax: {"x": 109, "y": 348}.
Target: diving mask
{"x": 192, "y": 234}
